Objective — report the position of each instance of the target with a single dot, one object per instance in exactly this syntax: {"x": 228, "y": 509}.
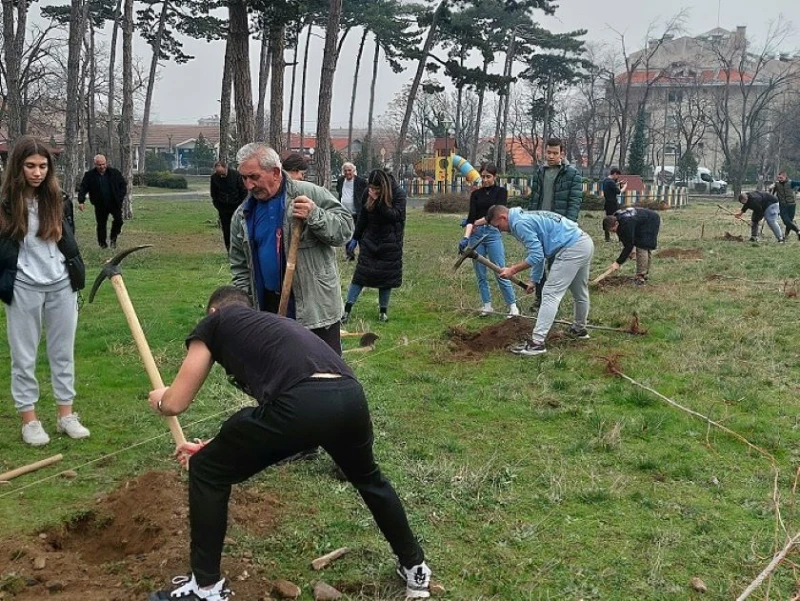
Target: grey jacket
{"x": 316, "y": 286}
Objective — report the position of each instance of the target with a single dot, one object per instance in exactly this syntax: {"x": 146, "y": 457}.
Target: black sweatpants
{"x": 610, "y": 209}
{"x": 225, "y": 217}
{"x": 331, "y": 413}
{"x": 101, "y": 214}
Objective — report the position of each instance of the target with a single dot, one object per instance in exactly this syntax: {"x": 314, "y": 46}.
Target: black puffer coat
{"x": 380, "y": 241}
{"x": 638, "y": 227}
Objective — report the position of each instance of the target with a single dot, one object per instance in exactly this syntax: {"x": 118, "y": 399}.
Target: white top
{"x": 39, "y": 262}
{"x": 347, "y": 195}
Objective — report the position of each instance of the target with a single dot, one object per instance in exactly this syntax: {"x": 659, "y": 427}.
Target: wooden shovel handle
{"x": 31, "y": 467}
{"x": 291, "y": 265}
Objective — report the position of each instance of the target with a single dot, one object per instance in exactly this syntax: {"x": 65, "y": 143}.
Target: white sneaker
{"x": 513, "y": 311}
{"x": 33, "y": 434}
{"x": 418, "y": 580}
{"x": 188, "y": 590}
{"x": 70, "y": 426}
{"x": 487, "y": 309}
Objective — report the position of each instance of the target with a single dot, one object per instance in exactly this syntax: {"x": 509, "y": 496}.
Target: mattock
{"x": 112, "y": 271}
{"x": 471, "y": 253}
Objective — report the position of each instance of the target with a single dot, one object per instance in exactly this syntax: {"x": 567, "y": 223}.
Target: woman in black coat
{"x": 379, "y": 234}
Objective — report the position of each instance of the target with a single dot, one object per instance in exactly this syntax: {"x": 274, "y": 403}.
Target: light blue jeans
{"x": 772, "y": 215}
{"x": 492, "y": 248}
{"x": 384, "y": 294}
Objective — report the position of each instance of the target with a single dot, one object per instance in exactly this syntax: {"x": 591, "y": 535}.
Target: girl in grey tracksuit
{"x": 40, "y": 273}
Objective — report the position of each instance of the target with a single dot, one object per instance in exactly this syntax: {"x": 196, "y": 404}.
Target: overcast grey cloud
{"x": 188, "y": 92}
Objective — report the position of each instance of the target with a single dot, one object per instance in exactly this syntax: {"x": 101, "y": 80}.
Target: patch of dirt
{"x": 129, "y": 543}
{"x": 791, "y": 288}
{"x": 612, "y": 282}
{"x": 497, "y": 336}
{"x": 728, "y": 237}
{"x": 685, "y": 254}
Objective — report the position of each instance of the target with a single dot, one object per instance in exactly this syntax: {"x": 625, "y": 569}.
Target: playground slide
{"x": 467, "y": 170}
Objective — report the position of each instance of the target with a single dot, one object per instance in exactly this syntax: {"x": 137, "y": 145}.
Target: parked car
{"x": 703, "y": 181}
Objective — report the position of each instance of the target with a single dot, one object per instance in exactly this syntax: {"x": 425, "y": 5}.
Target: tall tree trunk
{"x": 112, "y": 59}
{"x": 353, "y": 96}
{"x": 126, "y": 121}
{"x": 13, "y": 41}
{"x": 151, "y": 82}
{"x": 479, "y": 114}
{"x": 303, "y": 91}
{"x": 277, "y": 44}
{"x": 291, "y": 93}
{"x": 371, "y": 149}
{"x": 457, "y": 126}
{"x": 325, "y": 95}
{"x": 412, "y": 94}
{"x": 263, "y": 78}
{"x": 512, "y": 47}
{"x": 91, "y": 96}
{"x": 72, "y": 121}
{"x": 239, "y": 35}
{"x": 225, "y": 103}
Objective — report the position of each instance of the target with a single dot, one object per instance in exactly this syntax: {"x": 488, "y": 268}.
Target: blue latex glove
{"x": 462, "y": 246}
{"x": 464, "y": 222}
{"x": 351, "y": 246}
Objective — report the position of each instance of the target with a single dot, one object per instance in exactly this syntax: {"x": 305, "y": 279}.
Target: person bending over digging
{"x": 636, "y": 227}
{"x": 307, "y": 396}
{"x": 548, "y": 235}
{"x": 763, "y": 206}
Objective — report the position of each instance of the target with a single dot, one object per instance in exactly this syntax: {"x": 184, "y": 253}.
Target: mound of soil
{"x": 728, "y": 237}
{"x": 130, "y": 542}
{"x": 493, "y": 337}
{"x": 613, "y": 282}
{"x": 686, "y": 254}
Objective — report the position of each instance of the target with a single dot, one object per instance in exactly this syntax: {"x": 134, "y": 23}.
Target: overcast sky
{"x": 188, "y": 92}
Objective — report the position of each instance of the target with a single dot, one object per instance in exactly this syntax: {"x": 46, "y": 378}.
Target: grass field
{"x": 526, "y": 478}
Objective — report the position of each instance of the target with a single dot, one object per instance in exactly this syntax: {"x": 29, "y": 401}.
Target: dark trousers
{"x": 332, "y": 413}
{"x": 101, "y": 213}
{"x": 330, "y": 335}
{"x": 225, "y": 224}
{"x": 610, "y": 210}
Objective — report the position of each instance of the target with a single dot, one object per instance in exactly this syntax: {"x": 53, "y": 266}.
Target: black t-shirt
{"x": 610, "y": 191}
{"x": 481, "y": 199}
{"x": 265, "y": 354}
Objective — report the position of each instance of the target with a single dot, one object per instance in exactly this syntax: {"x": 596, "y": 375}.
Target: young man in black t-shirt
{"x": 612, "y": 188}
{"x": 307, "y": 396}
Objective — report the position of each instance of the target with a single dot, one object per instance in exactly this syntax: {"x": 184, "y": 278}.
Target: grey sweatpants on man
{"x": 55, "y": 308}
{"x": 772, "y": 215}
{"x": 570, "y": 271}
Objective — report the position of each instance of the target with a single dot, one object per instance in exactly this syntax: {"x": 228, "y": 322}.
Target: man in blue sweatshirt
{"x": 548, "y": 235}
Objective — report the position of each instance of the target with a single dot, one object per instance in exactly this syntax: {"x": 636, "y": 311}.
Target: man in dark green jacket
{"x": 784, "y": 191}
{"x": 557, "y": 186}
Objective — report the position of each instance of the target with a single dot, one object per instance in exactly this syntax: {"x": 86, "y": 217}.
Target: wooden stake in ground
{"x": 32, "y": 467}
{"x": 321, "y": 562}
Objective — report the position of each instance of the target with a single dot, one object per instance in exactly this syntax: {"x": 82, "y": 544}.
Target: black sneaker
{"x": 383, "y": 317}
{"x": 530, "y": 349}
{"x": 580, "y": 333}
{"x": 345, "y": 317}
{"x": 113, "y": 243}
{"x": 188, "y": 590}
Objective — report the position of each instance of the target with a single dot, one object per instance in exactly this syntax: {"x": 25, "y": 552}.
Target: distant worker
{"x": 612, "y": 190}
{"x": 784, "y": 192}
{"x": 638, "y": 228}
{"x": 351, "y": 189}
{"x": 295, "y": 165}
{"x": 227, "y": 193}
{"x": 107, "y": 189}
{"x": 763, "y": 206}
{"x": 546, "y": 235}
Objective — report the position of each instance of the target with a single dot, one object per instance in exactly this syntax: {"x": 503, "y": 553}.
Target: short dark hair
{"x": 555, "y": 142}
{"x": 489, "y": 168}
{"x": 295, "y": 162}
{"x": 227, "y": 295}
{"x": 220, "y": 163}
{"x": 615, "y": 170}
{"x": 609, "y": 221}
{"x": 494, "y": 211}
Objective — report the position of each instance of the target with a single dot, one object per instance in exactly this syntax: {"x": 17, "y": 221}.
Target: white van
{"x": 703, "y": 181}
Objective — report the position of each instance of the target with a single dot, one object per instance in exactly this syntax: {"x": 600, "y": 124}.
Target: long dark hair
{"x": 14, "y": 217}
{"x": 380, "y": 179}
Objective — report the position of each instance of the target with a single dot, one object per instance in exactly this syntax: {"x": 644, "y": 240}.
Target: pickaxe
{"x": 112, "y": 271}
{"x": 470, "y": 253}
{"x": 365, "y": 343}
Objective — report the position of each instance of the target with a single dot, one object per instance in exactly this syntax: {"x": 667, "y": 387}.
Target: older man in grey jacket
{"x": 261, "y": 230}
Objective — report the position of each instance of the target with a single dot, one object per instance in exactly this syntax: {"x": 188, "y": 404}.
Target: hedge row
{"x": 160, "y": 179}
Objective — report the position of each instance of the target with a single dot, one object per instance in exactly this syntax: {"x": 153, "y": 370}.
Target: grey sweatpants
{"x": 570, "y": 271}
{"x": 772, "y": 214}
{"x": 57, "y": 311}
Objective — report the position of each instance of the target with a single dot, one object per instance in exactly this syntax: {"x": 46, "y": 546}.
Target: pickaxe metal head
{"x": 468, "y": 252}
{"x": 111, "y": 268}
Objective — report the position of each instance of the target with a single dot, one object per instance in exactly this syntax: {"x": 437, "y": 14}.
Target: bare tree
{"x": 277, "y": 44}
{"x": 353, "y": 94}
{"x": 225, "y": 103}
{"x": 151, "y": 80}
{"x": 77, "y": 20}
{"x": 126, "y": 121}
{"x": 13, "y": 43}
{"x": 263, "y": 79}
{"x": 323, "y": 153}
{"x": 375, "y": 57}
{"x": 239, "y": 37}
{"x": 111, "y": 79}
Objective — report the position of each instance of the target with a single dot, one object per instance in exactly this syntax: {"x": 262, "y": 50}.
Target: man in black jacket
{"x": 351, "y": 187}
{"x": 107, "y": 189}
{"x": 636, "y": 227}
{"x": 227, "y": 193}
{"x": 763, "y": 206}
{"x": 612, "y": 188}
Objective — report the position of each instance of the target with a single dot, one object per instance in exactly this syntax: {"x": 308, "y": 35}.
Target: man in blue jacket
{"x": 547, "y": 235}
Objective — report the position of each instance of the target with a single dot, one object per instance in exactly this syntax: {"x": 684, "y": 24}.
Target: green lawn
{"x": 526, "y": 478}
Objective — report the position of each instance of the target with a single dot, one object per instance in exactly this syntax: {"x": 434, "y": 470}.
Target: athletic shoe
{"x": 417, "y": 579}
{"x": 576, "y": 332}
{"x": 188, "y": 590}
{"x": 513, "y": 310}
{"x": 33, "y": 434}
{"x": 782, "y": 241}
{"x": 487, "y": 309}
{"x": 639, "y": 282}
{"x": 530, "y": 349}
{"x": 753, "y": 239}
{"x": 383, "y": 317}
{"x": 70, "y": 426}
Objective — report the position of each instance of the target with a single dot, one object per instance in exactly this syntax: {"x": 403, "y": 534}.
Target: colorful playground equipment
{"x": 445, "y": 164}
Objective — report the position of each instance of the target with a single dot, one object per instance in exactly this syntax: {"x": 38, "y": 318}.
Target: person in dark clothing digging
{"x": 763, "y": 206}
{"x": 307, "y": 396}
{"x": 636, "y": 227}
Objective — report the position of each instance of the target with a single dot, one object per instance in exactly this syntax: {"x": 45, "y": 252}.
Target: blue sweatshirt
{"x": 543, "y": 234}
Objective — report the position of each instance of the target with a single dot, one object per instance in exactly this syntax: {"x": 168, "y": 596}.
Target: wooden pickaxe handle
{"x": 484, "y": 261}
{"x": 291, "y": 265}
{"x": 603, "y": 276}
{"x": 144, "y": 351}
{"x": 31, "y": 467}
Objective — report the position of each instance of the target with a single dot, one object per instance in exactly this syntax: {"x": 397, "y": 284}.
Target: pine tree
{"x": 638, "y": 149}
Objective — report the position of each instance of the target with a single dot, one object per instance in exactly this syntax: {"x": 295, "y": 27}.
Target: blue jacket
{"x": 543, "y": 234}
